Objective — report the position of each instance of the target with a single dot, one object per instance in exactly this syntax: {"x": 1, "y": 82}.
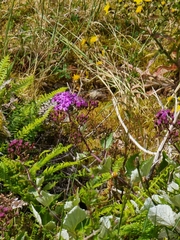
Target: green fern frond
{"x": 9, "y": 172}
{"x": 32, "y": 126}
{"x": 101, "y": 179}
{"x": 161, "y": 181}
{"x": 19, "y": 86}
{"x": 46, "y": 97}
{"x": 52, "y": 169}
{"x": 157, "y": 183}
{"x": 4, "y": 64}
{"x": 44, "y": 160}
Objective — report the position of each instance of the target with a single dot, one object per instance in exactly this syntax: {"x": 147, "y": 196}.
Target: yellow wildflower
{"x": 76, "y": 77}
{"x": 139, "y": 9}
{"x": 99, "y": 63}
{"x": 83, "y": 41}
{"x": 138, "y": 2}
{"x": 103, "y": 52}
{"x": 93, "y": 39}
{"x": 178, "y": 108}
{"x": 87, "y": 74}
{"x": 169, "y": 99}
{"x": 106, "y": 8}
{"x": 173, "y": 10}
{"x": 163, "y": 3}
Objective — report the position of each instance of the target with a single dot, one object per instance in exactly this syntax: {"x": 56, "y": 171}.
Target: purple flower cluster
{"x": 4, "y": 211}
{"x": 82, "y": 119}
{"x": 17, "y": 147}
{"x": 65, "y": 100}
{"x": 163, "y": 118}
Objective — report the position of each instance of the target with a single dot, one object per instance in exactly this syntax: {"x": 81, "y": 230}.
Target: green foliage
{"x": 46, "y": 159}
{"x": 130, "y": 47}
{"x": 33, "y": 126}
{"x": 4, "y": 64}
{"x": 23, "y": 115}
{"x": 21, "y": 85}
{"x": 11, "y": 173}
{"x": 139, "y": 228}
{"x": 44, "y": 98}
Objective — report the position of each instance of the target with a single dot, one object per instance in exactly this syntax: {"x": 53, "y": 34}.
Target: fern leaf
{"x": 4, "y": 64}
{"x": 22, "y": 84}
{"x": 58, "y": 167}
{"x": 46, "y": 97}
{"x": 55, "y": 152}
{"x": 32, "y": 126}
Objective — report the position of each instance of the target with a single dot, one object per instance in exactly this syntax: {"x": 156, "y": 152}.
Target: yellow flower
{"x": 178, "y": 108}
{"x": 169, "y": 99}
{"x": 93, "y": 39}
{"x": 106, "y": 8}
{"x": 138, "y": 2}
{"x": 139, "y": 9}
{"x": 173, "y": 10}
{"x": 83, "y": 41}
{"x": 99, "y": 63}
{"x": 103, "y": 52}
{"x": 76, "y": 77}
{"x": 87, "y": 74}
{"x": 163, "y": 2}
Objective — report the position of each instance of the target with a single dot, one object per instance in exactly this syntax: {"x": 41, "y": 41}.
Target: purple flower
{"x": 67, "y": 99}
{"x": 80, "y": 102}
{"x": 17, "y": 147}
{"x": 63, "y": 100}
{"x": 164, "y": 117}
{"x": 2, "y": 215}
{"x": 6, "y": 209}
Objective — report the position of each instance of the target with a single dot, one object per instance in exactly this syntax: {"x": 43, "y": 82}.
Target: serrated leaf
{"x": 36, "y": 215}
{"x": 162, "y": 214}
{"x": 73, "y": 218}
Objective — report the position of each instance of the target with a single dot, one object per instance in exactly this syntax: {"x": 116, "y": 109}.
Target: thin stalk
{"x": 7, "y": 28}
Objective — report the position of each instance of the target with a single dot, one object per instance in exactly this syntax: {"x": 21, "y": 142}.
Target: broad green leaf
{"x": 107, "y": 141}
{"x": 135, "y": 176}
{"x": 44, "y": 198}
{"x": 39, "y": 181}
{"x": 36, "y": 215}
{"x": 64, "y": 235}
{"x": 73, "y": 218}
{"x": 130, "y": 164}
{"x": 106, "y": 167}
{"x": 172, "y": 187}
{"x": 176, "y": 200}
{"x": 146, "y": 166}
{"x": 50, "y": 225}
{"x": 162, "y": 214}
